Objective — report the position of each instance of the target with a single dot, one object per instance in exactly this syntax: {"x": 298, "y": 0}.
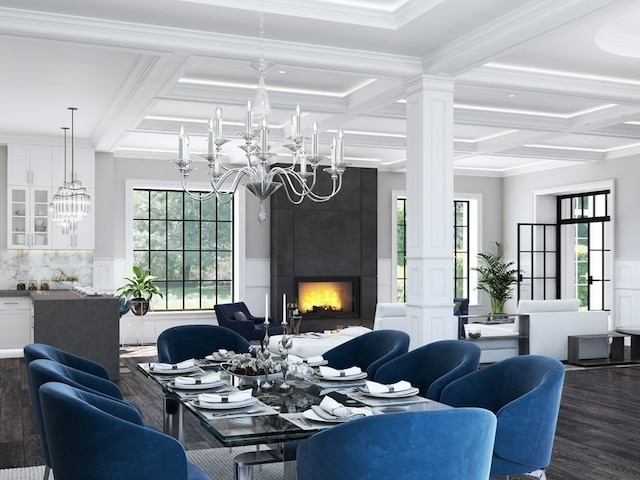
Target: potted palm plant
{"x": 140, "y": 288}
{"x": 496, "y": 276}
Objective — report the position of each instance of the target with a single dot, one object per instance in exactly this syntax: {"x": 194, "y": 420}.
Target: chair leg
{"x": 538, "y": 474}
{"x": 47, "y": 471}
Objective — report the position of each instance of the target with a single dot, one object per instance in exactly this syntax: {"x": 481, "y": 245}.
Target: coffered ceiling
{"x": 538, "y": 83}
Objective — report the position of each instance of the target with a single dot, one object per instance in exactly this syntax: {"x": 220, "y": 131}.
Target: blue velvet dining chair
{"x": 183, "y": 342}
{"x": 237, "y": 317}
{"x": 41, "y": 371}
{"x": 95, "y": 437}
{"x": 451, "y": 443}
{"x": 369, "y": 351}
{"x": 35, "y": 351}
{"x": 524, "y": 392}
{"x": 433, "y": 366}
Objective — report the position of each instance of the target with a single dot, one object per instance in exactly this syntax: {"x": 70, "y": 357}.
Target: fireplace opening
{"x": 328, "y": 296}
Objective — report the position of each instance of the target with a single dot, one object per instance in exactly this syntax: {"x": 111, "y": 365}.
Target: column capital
{"x": 431, "y": 83}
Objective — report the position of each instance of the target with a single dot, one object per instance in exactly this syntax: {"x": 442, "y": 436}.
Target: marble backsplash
{"x": 25, "y": 266}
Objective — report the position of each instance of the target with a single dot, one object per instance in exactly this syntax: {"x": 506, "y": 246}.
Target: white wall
{"x": 518, "y": 208}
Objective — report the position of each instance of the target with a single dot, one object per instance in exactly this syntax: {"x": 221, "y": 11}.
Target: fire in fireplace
{"x": 335, "y": 296}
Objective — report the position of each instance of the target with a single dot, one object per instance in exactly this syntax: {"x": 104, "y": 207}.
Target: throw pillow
{"x": 239, "y": 316}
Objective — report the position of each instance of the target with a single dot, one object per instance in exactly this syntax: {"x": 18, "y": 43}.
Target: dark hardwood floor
{"x": 596, "y": 435}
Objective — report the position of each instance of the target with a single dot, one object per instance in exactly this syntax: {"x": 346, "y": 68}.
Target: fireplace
{"x": 324, "y": 297}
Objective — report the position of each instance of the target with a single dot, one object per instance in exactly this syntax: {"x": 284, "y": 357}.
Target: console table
{"x": 594, "y": 350}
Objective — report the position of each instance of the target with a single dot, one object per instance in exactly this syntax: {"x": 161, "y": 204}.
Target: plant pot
{"x": 139, "y": 306}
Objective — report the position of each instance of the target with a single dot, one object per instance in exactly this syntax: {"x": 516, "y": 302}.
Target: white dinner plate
{"x": 347, "y": 378}
{"x": 198, "y": 386}
{"x": 218, "y": 357}
{"x": 401, "y": 394}
{"x": 175, "y": 371}
{"x": 311, "y": 415}
{"x": 226, "y": 405}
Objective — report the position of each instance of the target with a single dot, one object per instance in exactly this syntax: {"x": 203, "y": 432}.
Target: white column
{"x": 430, "y": 259}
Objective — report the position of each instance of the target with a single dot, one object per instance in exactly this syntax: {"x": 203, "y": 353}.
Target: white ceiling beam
{"x": 510, "y": 31}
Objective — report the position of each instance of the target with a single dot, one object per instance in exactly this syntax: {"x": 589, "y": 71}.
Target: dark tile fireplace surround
{"x": 333, "y": 241}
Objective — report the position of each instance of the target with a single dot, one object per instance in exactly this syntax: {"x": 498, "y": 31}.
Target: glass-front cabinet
{"x": 29, "y": 225}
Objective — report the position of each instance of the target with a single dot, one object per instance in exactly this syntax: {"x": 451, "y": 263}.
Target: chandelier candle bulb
{"x": 211, "y": 139}
{"x": 314, "y": 140}
{"x": 249, "y": 119}
{"x": 264, "y": 139}
{"x": 297, "y": 121}
{"x": 181, "y": 153}
{"x": 218, "y": 122}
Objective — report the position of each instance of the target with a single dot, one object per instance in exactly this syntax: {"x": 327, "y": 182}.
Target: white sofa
{"x": 551, "y": 322}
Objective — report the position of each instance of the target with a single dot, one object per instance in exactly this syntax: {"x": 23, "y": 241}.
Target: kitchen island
{"x": 87, "y": 325}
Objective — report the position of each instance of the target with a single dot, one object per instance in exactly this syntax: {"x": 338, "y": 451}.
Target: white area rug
{"x": 217, "y": 462}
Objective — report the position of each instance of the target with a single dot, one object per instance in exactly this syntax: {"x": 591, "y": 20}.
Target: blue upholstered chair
{"x": 524, "y": 392}
{"x": 180, "y": 343}
{"x": 94, "y": 437}
{"x": 42, "y": 370}
{"x": 433, "y": 366}
{"x": 369, "y": 351}
{"x": 237, "y": 317}
{"x": 460, "y": 309}
{"x": 35, "y": 351}
{"x": 428, "y": 445}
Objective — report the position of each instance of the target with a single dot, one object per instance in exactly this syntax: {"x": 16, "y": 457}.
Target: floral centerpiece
{"x": 253, "y": 364}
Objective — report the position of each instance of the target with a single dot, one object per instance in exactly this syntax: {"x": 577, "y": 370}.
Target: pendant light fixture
{"x": 71, "y": 203}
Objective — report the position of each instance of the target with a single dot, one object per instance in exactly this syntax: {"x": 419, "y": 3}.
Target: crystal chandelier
{"x": 71, "y": 203}
{"x": 263, "y": 179}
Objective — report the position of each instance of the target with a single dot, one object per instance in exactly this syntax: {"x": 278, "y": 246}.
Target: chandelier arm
{"x": 287, "y": 177}
{"x": 323, "y": 198}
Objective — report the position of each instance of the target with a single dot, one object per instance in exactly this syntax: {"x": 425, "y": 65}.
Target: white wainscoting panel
{"x": 257, "y": 282}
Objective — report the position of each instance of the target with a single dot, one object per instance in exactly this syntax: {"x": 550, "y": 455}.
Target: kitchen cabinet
{"x": 29, "y": 165}
{"x": 15, "y": 322}
{"x": 28, "y": 217}
{"x": 34, "y": 174}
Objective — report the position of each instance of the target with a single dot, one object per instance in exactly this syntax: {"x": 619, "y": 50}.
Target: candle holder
{"x": 266, "y": 385}
{"x": 284, "y": 345}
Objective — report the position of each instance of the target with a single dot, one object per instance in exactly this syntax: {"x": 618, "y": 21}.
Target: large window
{"x": 187, "y": 244}
{"x": 465, "y": 247}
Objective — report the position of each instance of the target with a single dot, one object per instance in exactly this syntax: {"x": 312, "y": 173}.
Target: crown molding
{"x": 158, "y": 40}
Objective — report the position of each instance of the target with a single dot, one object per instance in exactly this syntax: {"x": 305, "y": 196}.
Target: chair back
{"x": 524, "y": 392}
{"x": 197, "y": 341}
{"x": 94, "y": 437}
{"x": 433, "y": 366}
{"x": 41, "y": 371}
{"x": 391, "y": 316}
{"x": 435, "y": 444}
{"x": 35, "y": 351}
{"x": 369, "y": 351}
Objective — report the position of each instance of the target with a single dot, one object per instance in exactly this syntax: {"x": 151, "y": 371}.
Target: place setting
{"x": 235, "y": 403}
{"x": 376, "y": 394}
{"x": 220, "y": 356}
{"x": 197, "y": 382}
{"x": 328, "y": 412}
{"x": 186, "y": 366}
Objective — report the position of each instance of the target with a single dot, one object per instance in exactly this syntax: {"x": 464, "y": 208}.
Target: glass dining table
{"x": 275, "y": 418}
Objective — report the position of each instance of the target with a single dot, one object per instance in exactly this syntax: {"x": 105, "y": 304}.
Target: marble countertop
{"x": 38, "y": 295}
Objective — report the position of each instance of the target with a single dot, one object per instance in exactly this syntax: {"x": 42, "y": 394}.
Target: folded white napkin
{"x": 331, "y": 407}
{"x": 203, "y": 380}
{"x": 329, "y": 372}
{"x": 205, "y": 398}
{"x": 175, "y": 366}
{"x": 310, "y": 360}
{"x": 375, "y": 387}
